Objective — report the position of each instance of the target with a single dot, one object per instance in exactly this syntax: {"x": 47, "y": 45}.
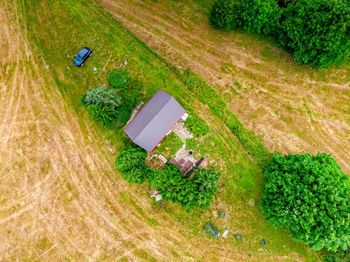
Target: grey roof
{"x": 154, "y": 121}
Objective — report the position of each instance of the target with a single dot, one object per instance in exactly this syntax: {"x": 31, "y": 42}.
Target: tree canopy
{"x": 317, "y": 32}
{"x": 105, "y": 106}
{"x": 174, "y": 187}
{"x": 131, "y": 162}
{"x": 171, "y": 183}
{"x": 310, "y": 196}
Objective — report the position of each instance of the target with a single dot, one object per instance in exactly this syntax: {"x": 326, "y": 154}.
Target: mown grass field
{"x": 293, "y": 108}
{"x": 61, "y": 198}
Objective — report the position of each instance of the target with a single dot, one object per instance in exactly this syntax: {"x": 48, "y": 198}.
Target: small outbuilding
{"x": 154, "y": 121}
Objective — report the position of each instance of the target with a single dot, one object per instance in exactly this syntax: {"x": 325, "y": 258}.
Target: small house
{"x": 154, "y": 121}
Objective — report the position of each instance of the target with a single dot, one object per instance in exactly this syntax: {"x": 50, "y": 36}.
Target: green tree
{"x": 317, "y": 32}
{"x": 225, "y": 15}
{"x": 119, "y": 79}
{"x": 206, "y": 181}
{"x": 260, "y": 16}
{"x": 103, "y": 114}
{"x": 105, "y": 106}
{"x": 131, "y": 162}
{"x": 102, "y": 96}
{"x": 174, "y": 187}
{"x": 310, "y": 196}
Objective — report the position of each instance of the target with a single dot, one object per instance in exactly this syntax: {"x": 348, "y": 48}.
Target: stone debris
{"x": 225, "y": 233}
{"x": 181, "y": 131}
{"x": 160, "y": 157}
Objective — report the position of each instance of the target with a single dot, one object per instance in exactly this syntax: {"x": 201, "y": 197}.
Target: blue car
{"x": 81, "y": 57}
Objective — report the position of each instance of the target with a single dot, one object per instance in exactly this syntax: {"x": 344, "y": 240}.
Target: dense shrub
{"x": 206, "y": 181}
{"x": 132, "y": 95}
{"x": 310, "y": 196}
{"x": 260, "y": 16}
{"x": 250, "y": 15}
{"x": 119, "y": 78}
{"x": 176, "y": 188}
{"x": 171, "y": 183}
{"x": 225, "y": 15}
{"x": 105, "y": 106}
{"x": 196, "y": 126}
{"x": 102, "y": 96}
{"x": 131, "y": 162}
{"x": 317, "y": 32}
{"x": 103, "y": 114}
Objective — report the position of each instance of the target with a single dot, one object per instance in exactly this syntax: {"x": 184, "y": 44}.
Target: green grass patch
{"x": 169, "y": 145}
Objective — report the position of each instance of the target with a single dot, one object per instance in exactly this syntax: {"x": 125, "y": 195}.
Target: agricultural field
{"x": 293, "y": 108}
{"x": 60, "y": 195}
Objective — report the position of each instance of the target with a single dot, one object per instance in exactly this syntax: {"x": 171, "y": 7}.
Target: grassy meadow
{"x": 54, "y": 31}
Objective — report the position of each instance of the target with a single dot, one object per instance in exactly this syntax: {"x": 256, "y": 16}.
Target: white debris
{"x": 225, "y": 233}
{"x": 94, "y": 69}
{"x": 68, "y": 68}
{"x": 111, "y": 149}
{"x": 158, "y": 197}
{"x": 181, "y": 131}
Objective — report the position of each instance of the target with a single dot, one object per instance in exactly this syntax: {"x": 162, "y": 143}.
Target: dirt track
{"x": 293, "y": 108}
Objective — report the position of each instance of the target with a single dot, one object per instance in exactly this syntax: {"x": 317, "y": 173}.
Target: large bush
{"x": 171, "y": 183}
{"x": 105, "y": 106}
{"x": 225, "y": 15}
{"x": 119, "y": 78}
{"x": 102, "y": 96}
{"x": 131, "y": 162}
{"x": 260, "y": 16}
{"x": 190, "y": 194}
{"x": 310, "y": 196}
{"x": 196, "y": 126}
{"x": 317, "y": 32}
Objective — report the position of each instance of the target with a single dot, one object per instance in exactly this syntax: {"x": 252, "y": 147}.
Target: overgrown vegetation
{"x": 119, "y": 79}
{"x": 310, "y": 196}
{"x": 208, "y": 95}
{"x": 196, "y": 126}
{"x": 130, "y": 89}
{"x": 131, "y": 163}
{"x": 171, "y": 183}
{"x": 315, "y": 32}
{"x": 105, "y": 106}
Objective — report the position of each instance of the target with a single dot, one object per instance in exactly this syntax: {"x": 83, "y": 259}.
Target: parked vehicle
{"x": 81, "y": 57}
